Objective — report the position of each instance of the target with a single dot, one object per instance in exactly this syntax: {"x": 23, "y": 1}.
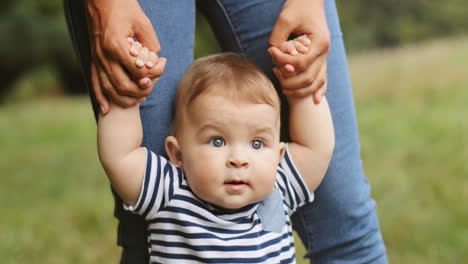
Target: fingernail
{"x": 140, "y": 62}
{"x": 307, "y": 41}
{"x": 134, "y": 51}
{"x": 289, "y": 68}
{"x": 102, "y": 109}
{"x": 150, "y": 64}
{"x": 294, "y": 52}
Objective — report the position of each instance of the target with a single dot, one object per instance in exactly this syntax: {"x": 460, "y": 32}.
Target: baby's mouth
{"x": 236, "y": 182}
{"x": 235, "y": 185}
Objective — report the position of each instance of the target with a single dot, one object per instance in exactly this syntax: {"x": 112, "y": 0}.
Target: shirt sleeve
{"x": 292, "y": 185}
{"x": 158, "y": 186}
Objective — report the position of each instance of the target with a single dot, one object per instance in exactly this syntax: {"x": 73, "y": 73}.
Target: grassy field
{"x": 411, "y": 102}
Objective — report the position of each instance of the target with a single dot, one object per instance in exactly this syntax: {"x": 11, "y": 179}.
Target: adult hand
{"x": 302, "y": 74}
{"x": 114, "y": 74}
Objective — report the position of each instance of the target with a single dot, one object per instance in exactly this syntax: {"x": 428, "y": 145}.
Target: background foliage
{"x": 36, "y": 38}
{"x": 388, "y": 23}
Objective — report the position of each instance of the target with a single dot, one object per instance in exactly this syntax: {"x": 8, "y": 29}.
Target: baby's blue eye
{"x": 256, "y": 144}
{"x": 217, "y": 142}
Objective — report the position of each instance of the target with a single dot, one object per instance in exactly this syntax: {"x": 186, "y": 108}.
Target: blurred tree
{"x": 34, "y": 33}
{"x": 386, "y": 23}
{"x": 22, "y": 46}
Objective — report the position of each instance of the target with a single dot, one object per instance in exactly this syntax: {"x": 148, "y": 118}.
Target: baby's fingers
{"x": 300, "y": 47}
{"x": 135, "y": 48}
{"x": 289, "y": 47}
{"x": 153, "y": 57}
{"x": 304, "y": 40}
{"x": 142, "y": 57}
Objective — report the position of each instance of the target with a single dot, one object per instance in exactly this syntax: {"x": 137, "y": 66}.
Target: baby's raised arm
{"x": 310, "y": 123}
{"x": 119, "y": 138}
{"x": 312, "y": 136}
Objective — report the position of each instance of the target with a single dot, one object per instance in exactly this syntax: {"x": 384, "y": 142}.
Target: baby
{"x": 226, "y": 193}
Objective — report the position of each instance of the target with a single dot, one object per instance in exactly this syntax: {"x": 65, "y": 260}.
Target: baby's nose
{"x": 237, "y": 160}
{"x": 237, "y": 163}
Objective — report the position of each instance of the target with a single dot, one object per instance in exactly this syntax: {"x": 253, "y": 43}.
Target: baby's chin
{"x": 235, "y": 206}
{"x": 231, "y": 208}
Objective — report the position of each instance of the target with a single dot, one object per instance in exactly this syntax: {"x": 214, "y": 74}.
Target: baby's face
{"x": 230, "y": 150}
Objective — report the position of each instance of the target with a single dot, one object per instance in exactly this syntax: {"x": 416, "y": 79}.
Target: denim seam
{"x": 336, "y": 35}
{"x": 309, "y": 234}
{"x": 226, "y": 15}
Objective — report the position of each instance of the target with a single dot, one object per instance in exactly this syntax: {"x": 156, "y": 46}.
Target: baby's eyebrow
{"x": 266, "y": 129}
{"x": 264, "y": 133}
{"x": 209, "y": 126}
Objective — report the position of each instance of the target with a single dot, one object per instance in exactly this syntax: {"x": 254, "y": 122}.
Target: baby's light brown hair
{"x": 232, "y": 74}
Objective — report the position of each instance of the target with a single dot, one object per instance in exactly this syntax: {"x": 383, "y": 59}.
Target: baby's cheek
{"x": 266, "y": 175}
{"x": 202, "y": 177}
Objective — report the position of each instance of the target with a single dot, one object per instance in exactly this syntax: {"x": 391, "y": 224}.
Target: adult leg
{"x": 174, "y": 22}
{"x": 341, "y": 226}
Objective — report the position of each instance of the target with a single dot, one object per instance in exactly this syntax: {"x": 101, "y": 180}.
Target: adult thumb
{"x": 280, "y": 33}
{"x": 147, "y": 36}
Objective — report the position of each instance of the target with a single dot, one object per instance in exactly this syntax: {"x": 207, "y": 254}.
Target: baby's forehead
{"x": 215, "y": 110}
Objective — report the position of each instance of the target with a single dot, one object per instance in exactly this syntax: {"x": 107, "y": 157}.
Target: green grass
{"x": 412, "y": 108}
{"x": 411, "y": 105}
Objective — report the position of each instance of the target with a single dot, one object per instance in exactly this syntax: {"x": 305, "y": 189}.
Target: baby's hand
{"x": 294, "y": 82}
{"x": 299, "y": 45}
{"x": 142, "y": 54}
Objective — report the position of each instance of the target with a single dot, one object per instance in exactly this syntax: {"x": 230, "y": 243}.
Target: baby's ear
{"x": 173, "y": 150}
{"x": 282, "y": 150}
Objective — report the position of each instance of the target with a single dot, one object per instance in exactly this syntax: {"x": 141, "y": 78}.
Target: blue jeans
{"x": 341, "y": 226}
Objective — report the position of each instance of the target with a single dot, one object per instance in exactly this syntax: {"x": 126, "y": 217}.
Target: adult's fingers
{"x": 159, "y": 67}
{"x": 305, "y": 78}
{"x": 306, "y": 91}
{"x": 300, "y": 61}
{"x": 317, "y": 89}
{"x": 122, "y": 100}
{"x": 320, "y": 92}
{"x": 109, "y": 93}
{"x": 122, "y": 83}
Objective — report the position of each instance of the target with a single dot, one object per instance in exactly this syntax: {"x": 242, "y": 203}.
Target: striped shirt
{"x": 184, "y": 229}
